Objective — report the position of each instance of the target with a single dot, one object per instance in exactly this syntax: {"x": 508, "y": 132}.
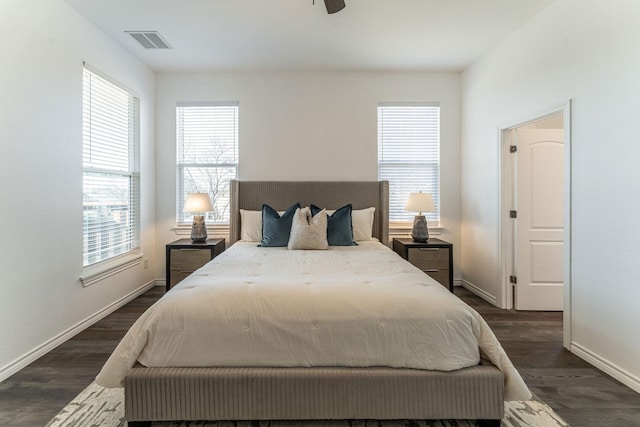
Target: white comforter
{"x": 347, "y": 306}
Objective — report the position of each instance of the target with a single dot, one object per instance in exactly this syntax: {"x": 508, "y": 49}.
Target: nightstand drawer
{"x": 441, "y": 276}
{"x": 429, "y": 258}
{"x": 177, "y": 276}
{"x": 184, "y": 257}
{"x": 189, "y": 259}
{"x": 434, "y": 257}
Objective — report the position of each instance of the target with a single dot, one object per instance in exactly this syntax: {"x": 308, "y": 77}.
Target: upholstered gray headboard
{"x": 251, "y": 195}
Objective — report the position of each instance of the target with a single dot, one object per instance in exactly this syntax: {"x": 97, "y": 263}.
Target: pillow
{"x": 276, "y": 228}
{"x": 308, "y": 232}
{"x": 362, "y": 222}
{"x": 339, "y": 229}
{"x": 250, "y": 225}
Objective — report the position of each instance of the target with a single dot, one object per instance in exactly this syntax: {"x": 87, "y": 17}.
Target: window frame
{"x": 433, "y": 219}
{"x": 184, "y": 219}
{"x": 115, "y": 260}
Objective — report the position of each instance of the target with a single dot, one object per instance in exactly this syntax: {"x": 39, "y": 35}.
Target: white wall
{"x": 307, "y": 126}
{"x": 43, "y": 45}
{"x": 587, "y": 51}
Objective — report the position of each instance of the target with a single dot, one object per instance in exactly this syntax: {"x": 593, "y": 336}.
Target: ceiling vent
{"x": 149, "y": 39}
{"x": 334, "y": 6}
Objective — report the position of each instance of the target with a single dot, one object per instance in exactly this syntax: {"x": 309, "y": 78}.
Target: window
{"x": 207, "y": 157}
{"x": 110, "y": 202}
{"x": 409, "y": 155}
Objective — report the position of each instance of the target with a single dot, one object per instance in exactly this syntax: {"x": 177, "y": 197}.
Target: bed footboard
{"x": 241, "y": 393}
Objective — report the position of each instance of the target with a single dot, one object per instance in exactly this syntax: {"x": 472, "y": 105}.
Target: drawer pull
{"x": 431, "y": 271}
{"x": 429, "y": 249}
{"x": 189, "y": 250}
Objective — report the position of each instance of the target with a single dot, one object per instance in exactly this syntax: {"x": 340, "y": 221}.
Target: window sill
{"x": 404, "y": 228}
{"x": 213, "y": 229}
{"x": 100, "y": 271}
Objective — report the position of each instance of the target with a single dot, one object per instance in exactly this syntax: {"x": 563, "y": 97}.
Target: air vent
{"x": 149, "y": 39}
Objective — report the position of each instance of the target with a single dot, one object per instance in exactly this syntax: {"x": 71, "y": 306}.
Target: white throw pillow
{"x": 251, "y": 225}
{"x": 308, "y": 232}
{"x": 362, "y": 223}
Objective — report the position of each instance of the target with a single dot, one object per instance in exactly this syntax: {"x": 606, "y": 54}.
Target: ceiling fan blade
{"x": 334, "y": 6}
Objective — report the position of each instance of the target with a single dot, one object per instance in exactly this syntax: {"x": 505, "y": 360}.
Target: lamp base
{"x": 420, "y": 232}
{"x": 198, "y": 230}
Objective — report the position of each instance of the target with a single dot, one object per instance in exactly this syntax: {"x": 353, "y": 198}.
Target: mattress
{"x": 360, "y": 306}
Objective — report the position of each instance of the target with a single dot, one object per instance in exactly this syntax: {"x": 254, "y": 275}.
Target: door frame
{"x": 507, "y": 202}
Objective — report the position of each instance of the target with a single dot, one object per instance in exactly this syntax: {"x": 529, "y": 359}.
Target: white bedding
{"x": 347, "y": 306}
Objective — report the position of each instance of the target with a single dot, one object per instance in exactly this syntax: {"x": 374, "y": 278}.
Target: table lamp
{"x": 420, "y": 202}
{"x": 198, "y": 203}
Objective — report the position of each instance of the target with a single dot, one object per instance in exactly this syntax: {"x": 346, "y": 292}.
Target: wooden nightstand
{"x": 435, "y": 257}
{"x": 184, "y": 257}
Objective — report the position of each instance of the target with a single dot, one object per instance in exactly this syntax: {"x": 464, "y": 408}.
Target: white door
{"x": 539, "y": 229}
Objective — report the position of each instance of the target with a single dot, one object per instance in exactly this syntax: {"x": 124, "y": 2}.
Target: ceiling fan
{"x": 333, "y": 6}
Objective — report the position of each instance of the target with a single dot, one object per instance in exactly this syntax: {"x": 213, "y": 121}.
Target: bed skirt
{"x": 262, "y": 393}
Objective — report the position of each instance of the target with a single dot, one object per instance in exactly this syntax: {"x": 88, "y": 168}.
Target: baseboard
{"x": 24, "y": 360}
{"x": 606, "y": 366}
{"x": 479, "y": 292}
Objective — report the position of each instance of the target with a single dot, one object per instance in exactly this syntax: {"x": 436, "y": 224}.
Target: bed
{"x": 252, "y": 369}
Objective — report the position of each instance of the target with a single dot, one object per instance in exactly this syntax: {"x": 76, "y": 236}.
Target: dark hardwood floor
{"x": 580, "y": 393}
{"x": 35, "y": 394}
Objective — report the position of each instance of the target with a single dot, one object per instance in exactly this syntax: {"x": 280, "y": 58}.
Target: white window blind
{"x": 110, "y": 178}
{"x": 207, "y": 156}
{"x": 409, "y": 155}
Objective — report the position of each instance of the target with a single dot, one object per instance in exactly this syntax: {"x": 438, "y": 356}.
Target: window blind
{"x": 207, "y": 156}
{"x": 110, "y": 179}
{"x": 409, "y": 155}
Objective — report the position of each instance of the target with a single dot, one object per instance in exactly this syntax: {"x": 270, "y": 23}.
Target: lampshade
{"x": 197, "y": 202}
{"x": 420, "y": 202}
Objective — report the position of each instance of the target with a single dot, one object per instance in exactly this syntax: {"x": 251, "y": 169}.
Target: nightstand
{"x": 184, "y": 257}
{"x": 434, "y": 257}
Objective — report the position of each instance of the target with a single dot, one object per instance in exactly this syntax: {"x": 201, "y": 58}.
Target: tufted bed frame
{"x": 320, "y": 393}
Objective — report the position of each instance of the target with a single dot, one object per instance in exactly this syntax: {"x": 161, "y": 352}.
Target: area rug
{"x": 102, "y": 407}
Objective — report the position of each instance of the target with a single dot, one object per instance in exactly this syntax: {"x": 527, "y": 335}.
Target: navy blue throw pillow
{"x": 339, "y": 228}
{"x": 276, "y": 228}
